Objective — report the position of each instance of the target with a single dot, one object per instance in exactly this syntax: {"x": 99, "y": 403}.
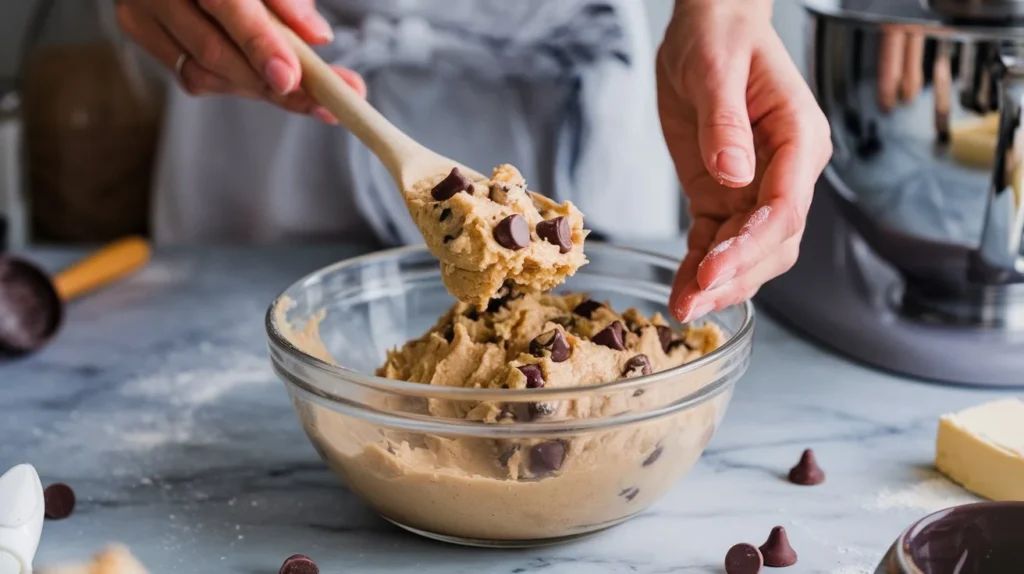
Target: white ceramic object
{"x": 21, "y": 518}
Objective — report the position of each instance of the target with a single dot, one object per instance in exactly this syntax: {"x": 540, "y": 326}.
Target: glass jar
{"x": 91, "y": 125}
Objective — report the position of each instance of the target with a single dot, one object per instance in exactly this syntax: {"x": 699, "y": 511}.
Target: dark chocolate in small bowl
{"x": 980, "y": 538}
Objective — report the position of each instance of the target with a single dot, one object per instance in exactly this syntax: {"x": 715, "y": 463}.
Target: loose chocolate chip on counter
{"x": 630, "y": 493}
{"x": 58, "y": 501}
{"x": 611, "y": 336}
{"x": 534, "y": 376}
{"x": 449, "y": 186}
{"x": 513, "y": 232}
{"x": 445, "y": 213}
{"x": 547, "y": 457}
{"x": 743, "y": 558}
{"x": 777, "y": 551}
{"x": 665, "y": 336}
{"x": 299, "y": 564}
{"x": 807, "y": 472}
{"x": 638, "y": 366}
{"x": 654, "y": 456}
{"x": 586, "y": 309}
{"x": 552, "y": 341}
{"x": 556, "y": 232}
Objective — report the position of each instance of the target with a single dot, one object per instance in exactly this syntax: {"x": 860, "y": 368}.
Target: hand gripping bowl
{"x": 444, "y": 477}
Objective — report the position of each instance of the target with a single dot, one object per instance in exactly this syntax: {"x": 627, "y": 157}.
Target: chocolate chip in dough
{"x": 58, "y": 501}
{"x": 665, "y": 337}
{"x": 743, "y": 558}
{"x": 611, "y": 336}
{"x": 512, "y": 232}
{"x": 536, "y": 410}
{"x": 638, "y": 366}
{"x": 552, "y": 341}
{"x": 299, "y": 564}
{"x": 445, "y": 214}
{"x": 777, "y": 551}
{"x": 654, "y": 456}
{"x": 534, "y": 376}
{"x": 630, "y": 493}
{"x": 556, "y": 232}
{"x": 586, "y": 309}
{"x": 547, "y": 457}
{"x": 449, "y": 186}
{"x": 448, "y": 239}
{"x": 807, "y": 472}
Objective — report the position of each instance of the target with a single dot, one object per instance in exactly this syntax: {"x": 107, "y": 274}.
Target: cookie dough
{"x": 524, "y": 485}
{"x": 488, "y": 233}
{"x": 114, "y": 559}
{"x": 982, "y": 449}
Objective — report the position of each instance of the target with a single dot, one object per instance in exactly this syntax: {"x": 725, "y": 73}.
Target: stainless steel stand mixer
{"x": 912, "y": 259}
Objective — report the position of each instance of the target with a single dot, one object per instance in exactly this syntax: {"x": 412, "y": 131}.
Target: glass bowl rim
{"x": 406, "y": 388}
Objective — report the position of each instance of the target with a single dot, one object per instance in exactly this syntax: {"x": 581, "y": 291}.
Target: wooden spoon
{"x": 408, "y": 161}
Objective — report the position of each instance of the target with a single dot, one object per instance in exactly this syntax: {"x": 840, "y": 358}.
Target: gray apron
{"x": 562, "y": 89}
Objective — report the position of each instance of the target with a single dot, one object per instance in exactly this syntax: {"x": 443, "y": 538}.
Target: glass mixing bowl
{"x": 448, "y": 478}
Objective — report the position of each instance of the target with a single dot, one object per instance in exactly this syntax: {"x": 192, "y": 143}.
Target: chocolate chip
{"x": 630, "y": 493}
{"x": 536, "y": 410}
{"x": 743, "y": 558}
{"x": 58, "y": 501}
{"x": 507, "y": 455}
{"x": 638, "y": 366}
{"x": 512, "y": 232}
{"x": 299, "y": 564}
{"x": 611, "y": 336}
{"x": 534, "y": 376}
{"x": 665, "y": 336}
{"x": 586, "y": 309}
{"x": 449, "y": 186}
{"x": 776, "y": 550}
{"x": 552, "y": 341}
{"x": 654, "y": 456}
{"x": 445, "y": 213}
{"x": 807, "y": 472}
{"x": 547, "y": 457}
{"x": 556, "y": 232}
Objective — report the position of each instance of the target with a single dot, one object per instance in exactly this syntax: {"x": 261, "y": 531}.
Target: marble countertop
{"x": 158, "y": 405}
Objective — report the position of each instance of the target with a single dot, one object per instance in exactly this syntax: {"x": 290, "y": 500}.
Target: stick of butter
{"x": 982, "y": 449}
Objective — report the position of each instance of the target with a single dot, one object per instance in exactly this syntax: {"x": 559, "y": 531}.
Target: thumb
{"x": 723, "y": 124}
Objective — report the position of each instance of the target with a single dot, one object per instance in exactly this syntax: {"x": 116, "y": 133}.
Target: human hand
{"x": 900, "y": 60}
{"x": 748, "y": 141}
{"x": 232, "y": 46}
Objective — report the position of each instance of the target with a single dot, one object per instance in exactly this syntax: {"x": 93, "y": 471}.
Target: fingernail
{"x": 323, "y": 29}
{"x": 279, "y": 75}
{"x": 722, "y": 278}
{"x": 325, "y": 116}
{"x": 733, "y": 165}
{"x": 699, "y": 312}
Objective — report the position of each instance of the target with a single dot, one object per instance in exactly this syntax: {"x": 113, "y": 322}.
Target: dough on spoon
{"x": 490, "y": 232}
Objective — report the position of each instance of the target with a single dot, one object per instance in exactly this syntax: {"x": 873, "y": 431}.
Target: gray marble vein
{"x": 157, "y": 403}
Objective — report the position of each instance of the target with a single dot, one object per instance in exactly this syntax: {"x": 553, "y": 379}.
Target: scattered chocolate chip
{"x": 807, "y": 472}
{"x": 611, "y": 336}
{"x": 552, "y": 341}
{"x": 586, "y": 309}
{"x": 638, "y": 366}
{"x": 299, "y": 564}
{"x": 449, "y": 186}
{"x": 58, "y": 501}
{"x": 743, "y": 558}
{"x": 445, "y": 213}
{"x": 512, "y": 232}
{"x": 547, "y": 457}
{"x": 630, "y": 493}
{"x": 556, "y": 232}
{"x": 776, "y": 550}
{"x": 534, "y": 376}
{"x": 507, "y": 455}
{"x": 665, "y": 336}
{"x": 654, "y": 456}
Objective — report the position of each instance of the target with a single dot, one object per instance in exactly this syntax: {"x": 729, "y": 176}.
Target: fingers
{"x": 249, "y": 26}
{"x": 890, "y": 66}
{"x": 302, "y": 17}
{"x": 913, "y": 72}
{"x": 723, "y": 123}
{"x": 141, "y": 27}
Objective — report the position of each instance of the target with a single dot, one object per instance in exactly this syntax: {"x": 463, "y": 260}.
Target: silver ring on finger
{"x": 179, "y": 65}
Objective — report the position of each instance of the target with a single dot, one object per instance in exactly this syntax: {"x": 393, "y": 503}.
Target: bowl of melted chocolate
{"x": 981, "y": 538}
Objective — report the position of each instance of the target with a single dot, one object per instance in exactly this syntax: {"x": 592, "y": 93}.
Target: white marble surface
{"x": 157, "y": 404}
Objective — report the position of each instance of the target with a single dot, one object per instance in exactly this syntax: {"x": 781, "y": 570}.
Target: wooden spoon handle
{"x": 110, "y": 263}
